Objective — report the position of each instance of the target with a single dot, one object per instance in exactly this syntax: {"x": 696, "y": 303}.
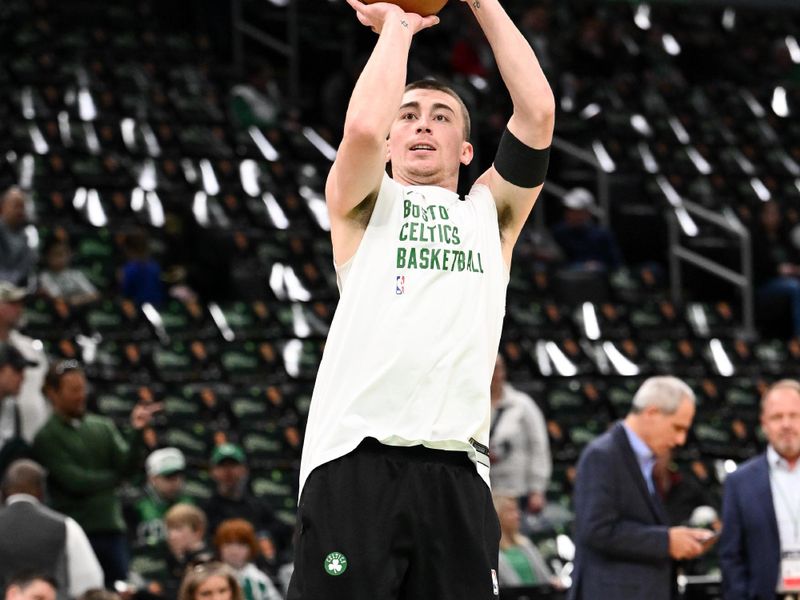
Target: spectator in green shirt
{"x": 520, "y": 562}
{"x": 87, "y": 458}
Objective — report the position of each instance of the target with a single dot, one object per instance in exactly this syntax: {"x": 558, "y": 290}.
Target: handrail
{"x": 743, "y": 280}
{"x": 289, "y": 48}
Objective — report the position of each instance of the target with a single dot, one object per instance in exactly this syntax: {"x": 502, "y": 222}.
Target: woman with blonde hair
{"x": 210, "y": 581}
{"x": 520, "y": 562}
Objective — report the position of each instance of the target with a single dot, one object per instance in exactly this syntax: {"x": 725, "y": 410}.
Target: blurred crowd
{"x": 98, "y": 512}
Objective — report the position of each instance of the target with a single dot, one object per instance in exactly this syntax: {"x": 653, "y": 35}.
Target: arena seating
{"x": 116, "y": 123}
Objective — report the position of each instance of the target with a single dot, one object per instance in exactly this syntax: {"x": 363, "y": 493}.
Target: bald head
{"x": 24, "y": 477}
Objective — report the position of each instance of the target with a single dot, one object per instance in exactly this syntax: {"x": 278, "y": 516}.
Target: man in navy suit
{"x": 760, "y": 545}
{"x": 624, "y": 544}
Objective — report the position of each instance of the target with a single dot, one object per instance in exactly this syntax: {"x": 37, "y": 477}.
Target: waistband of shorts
{"x": 418, "y": 453}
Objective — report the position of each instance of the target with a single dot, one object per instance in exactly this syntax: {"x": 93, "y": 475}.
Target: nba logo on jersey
{"x": 495, "y": 585}
{"x": 400, "y": 285}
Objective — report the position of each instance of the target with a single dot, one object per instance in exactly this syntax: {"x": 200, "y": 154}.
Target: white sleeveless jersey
{"x": 412, "y": 346}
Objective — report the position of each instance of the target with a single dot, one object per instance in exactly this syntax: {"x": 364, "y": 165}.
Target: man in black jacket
{"x": 233, "y": 498}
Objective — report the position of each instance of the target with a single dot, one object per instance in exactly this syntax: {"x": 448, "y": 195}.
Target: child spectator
{"x": 238, "y": 548}
{"x": 186, "y": 531}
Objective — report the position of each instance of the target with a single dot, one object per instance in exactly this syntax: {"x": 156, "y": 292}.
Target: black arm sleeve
{"x": 520, "y": 164}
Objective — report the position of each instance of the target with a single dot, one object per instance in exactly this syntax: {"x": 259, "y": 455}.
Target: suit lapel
{"x": 762, "y": 490}
{"x": 629, "y": 458}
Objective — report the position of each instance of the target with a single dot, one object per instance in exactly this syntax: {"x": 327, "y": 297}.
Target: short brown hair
{"x": 237, "y": 531}
{"x": 199, "y": 574}
{"x": 438, "y": 86}
{"x": 183, "y": 514}
{"x": 783, "y": 384}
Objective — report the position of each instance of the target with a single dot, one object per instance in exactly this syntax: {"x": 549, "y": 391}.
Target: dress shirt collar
{"x": 777, "y": 462}
{"x": 644, "y": 456}
{"x": 640, "y": 448}
{"x": 14, "y": 498}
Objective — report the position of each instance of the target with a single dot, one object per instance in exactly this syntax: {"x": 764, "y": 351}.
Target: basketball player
{"x": 394, "y": 495}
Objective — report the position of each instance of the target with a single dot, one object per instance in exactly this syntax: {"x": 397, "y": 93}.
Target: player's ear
{"x": 467, "y": 153}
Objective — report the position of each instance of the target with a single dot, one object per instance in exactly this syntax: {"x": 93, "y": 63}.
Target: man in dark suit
{"x": 760, "y": 541}
{"x": 624, "y": 544}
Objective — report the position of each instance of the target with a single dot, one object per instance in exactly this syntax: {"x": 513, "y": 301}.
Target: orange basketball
{"x": 421, "y": 7}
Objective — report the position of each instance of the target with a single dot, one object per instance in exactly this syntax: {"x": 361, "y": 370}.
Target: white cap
{"x": 165, "y": 461}
{"x": 578, "y": 199}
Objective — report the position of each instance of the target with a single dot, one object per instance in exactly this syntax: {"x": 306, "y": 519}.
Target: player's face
{"x": 426, "y": 143}
{"x": 780, "y": 420}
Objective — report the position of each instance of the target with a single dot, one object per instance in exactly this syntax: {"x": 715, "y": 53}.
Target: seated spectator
{"x": 12, "y": 367}
{"x": 776, "y": 263}
{"x": 238, "y": 548}
{"x": 211, "y": 580}
{"x": 35, "y": 537}
{"x": 186, "y": 533}
{"x": 31, "y": 587}
{"x": 520, "y": 562}
{"x": 587, "y": 245}
{"x": 31, "y": 404}
{"x": 58, "y": 280}
{"x": 233, "y": 499}
{"x": 164, "y": 488}
{"x": 17, "y": 258}
{"x": 257, "y": 102}
{"x": 141, "y": 275}
{"x": 87, "y": 459}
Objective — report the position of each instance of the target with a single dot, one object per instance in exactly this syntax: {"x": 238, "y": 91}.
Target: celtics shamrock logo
{"x": 335, "y": 563}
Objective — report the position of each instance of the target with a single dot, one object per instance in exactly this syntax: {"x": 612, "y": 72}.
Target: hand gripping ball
{"x": 421, "y": 7}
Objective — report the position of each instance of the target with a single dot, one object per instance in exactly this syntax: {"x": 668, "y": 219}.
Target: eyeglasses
{"x": 66, "y": 365}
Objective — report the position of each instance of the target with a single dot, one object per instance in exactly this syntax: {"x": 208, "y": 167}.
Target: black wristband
{"x": 520, "y": 164}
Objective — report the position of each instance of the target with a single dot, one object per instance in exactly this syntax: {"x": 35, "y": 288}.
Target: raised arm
{"x": 357, "y": 172}
{"x": 531, "y": 123}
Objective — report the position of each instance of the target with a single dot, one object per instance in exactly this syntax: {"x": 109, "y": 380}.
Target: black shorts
{"x": 391, "y": 523}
